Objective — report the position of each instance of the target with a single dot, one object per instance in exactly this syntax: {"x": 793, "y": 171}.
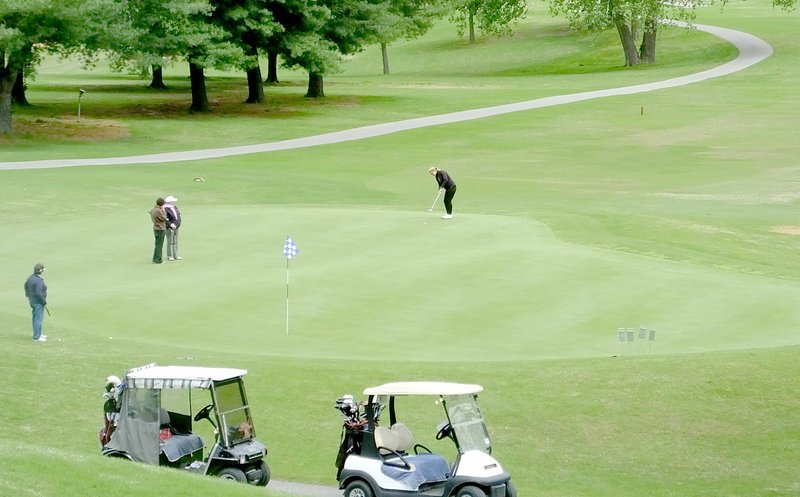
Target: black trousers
{"x": 448, "y": 199}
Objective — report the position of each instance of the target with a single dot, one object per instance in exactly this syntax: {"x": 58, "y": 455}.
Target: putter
{"x": 48, "y": 311}
{"x": 438, "y": 193}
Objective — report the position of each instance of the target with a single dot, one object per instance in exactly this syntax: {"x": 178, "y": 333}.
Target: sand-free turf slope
{"x": 389, "y": 284}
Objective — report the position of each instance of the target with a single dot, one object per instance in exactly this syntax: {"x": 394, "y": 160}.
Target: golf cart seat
{"x": 386, "y": 441}
{"x": 398, "y": 439}
{"x": 405, "y": 439}
{"x": 178, "y": 445}
{"x": 414, "y": 470}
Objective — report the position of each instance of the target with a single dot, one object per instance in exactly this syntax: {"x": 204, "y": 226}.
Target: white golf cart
{"x": 154, "y": 425}
{"x": 378, "y": 459}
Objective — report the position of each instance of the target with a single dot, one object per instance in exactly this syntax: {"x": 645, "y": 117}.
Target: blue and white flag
{"x": 289, "y": 248}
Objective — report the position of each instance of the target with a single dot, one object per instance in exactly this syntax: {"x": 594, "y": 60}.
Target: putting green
{"x": 386, "y": 284}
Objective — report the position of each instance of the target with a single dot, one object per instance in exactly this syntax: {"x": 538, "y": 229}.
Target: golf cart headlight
{"x": 242, "y": 459}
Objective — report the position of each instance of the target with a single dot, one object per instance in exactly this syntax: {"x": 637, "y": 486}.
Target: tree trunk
{"x": 628, "y": 43}
{"x": 157, "y": 82}
{"x": 18, "y": 91}
{"x": 7, "y": 79}
{"x": 315, "y": 86}
{"x": 647, "y": 53}
{"x": 272, "y": 66}
{"x": 385, "y": 57}
{"x": 471, "y": 22}
{"x": 199, "y": 96}
{"x": 255, "y": 88}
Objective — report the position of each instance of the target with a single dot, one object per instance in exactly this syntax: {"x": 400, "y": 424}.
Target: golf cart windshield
{"x": 236, "y": 424}
{"x": 467, "y": 423}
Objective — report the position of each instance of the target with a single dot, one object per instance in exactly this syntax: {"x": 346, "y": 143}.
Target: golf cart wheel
{"x": 234, "y": 474}
{"x": 470, "y": 491}
{"x": 358, "y": 488}
{"x": 511, "y": 490}
{"x": 265, "y": 474}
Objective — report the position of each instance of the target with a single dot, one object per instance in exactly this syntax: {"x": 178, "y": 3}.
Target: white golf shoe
{"x": 447, "y": 216}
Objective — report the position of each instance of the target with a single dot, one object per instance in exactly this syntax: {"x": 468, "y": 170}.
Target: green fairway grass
{"x": 382, "y": 275}
{"x": 671, "y": 210}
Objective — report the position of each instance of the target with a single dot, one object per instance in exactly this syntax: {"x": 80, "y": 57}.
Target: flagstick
{"x": 287, "y": 296}
{"x": 289, "y": 250}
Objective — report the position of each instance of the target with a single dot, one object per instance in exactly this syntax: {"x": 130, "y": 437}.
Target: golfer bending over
{"x": 446, "y": 185}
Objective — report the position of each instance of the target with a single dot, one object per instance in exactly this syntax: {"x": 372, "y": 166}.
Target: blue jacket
{"x": 173, "y": 215}
{"x": 36, "y": 290}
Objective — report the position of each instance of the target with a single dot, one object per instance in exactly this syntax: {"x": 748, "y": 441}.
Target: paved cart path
{"x": 751, "y": 51}
{"x": 304, "y": 489}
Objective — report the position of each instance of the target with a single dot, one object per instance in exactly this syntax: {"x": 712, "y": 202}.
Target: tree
{"x": 352, "y": 24}
{"x": 404, "y": 19}
{"x": 294, "y": 20}
{"x": 30, "y": 27}
{"x": 162, "y": 29}
{"x": 157, "y": 80}
{"x": 336, "y": 28}
{"x": 636, "y": 21}
{"x": 272, "y": 66}
{"x": 168, "y": 29}
{"x": 785, "y": 4}
{"x": 493, "y": 17}
{"x": 317, "y": 55}
{"x": 18, "y": 91}
{"x": 251, "y": 24}
{"x": 300, "y": 41}
{"x": 209, "y": 48}
{"x": 22, "y": 24}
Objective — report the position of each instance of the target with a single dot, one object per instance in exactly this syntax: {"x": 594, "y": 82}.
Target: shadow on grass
{"x": 122, "y": 85}
{"x": 107, "y": 120}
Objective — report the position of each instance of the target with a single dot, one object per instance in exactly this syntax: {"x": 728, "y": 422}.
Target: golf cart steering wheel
{"x": 444, "y": 431}
{"x": 203, "y": 413}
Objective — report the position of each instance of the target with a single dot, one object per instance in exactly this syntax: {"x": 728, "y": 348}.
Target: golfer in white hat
{"x": 173, "y": 225}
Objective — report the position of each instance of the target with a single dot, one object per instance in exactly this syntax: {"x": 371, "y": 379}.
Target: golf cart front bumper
{"x": 495, "y": 486}
{"x": 243, "y": 453}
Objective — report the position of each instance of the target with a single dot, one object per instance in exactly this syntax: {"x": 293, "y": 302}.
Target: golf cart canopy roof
{"x": 424, "y": 388}
{"x": 153, "y": 376}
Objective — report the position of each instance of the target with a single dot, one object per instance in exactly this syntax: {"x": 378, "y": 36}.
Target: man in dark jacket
{"x": 36, "y": 291}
